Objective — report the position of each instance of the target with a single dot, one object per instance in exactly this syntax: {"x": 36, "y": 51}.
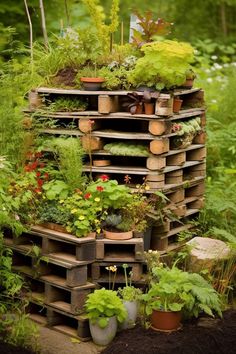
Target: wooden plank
{"x": 52, "y": 90}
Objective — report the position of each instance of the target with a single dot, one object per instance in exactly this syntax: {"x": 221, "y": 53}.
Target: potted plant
{"x": 89, "y": 79}
{"x": 130, "y": 297}
{"x": 117, "y": 227}
{"x": 53, "y": 216}
{"x": 104, "y": 309}
{"x": 177, "y": 103}
{"x": 174, "y": 293}
{"x": 190, "y": 77}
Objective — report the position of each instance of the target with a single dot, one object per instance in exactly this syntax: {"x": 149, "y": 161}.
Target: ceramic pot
{"x": 188, "y": 83}
{"x": 149, "y": 108}
{"x": 92, "y": 83}
{"x": 111, "y": 235}
{"x": 132, "y": 310}
{"x": 177, "y": 105}
{"x": 165, "y": 320}
{"x": 103, "y": 336}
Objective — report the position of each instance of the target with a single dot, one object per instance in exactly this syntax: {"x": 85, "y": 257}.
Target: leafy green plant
{"x": 52, "y": 211}
{"x": 178, "y": 290}
{"x": 102, "y": 304}
{"x": 56, "y": 189}
{"x": 67, "y": 105}
{"x": 69, "y": 155}
{"x": 164, "y": 65}
{"x": 126, "y": 149}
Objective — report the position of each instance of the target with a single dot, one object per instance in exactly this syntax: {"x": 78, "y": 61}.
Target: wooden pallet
{"x": 120, "y": 251}
{"x": 72, "y": 325}
{"x": 57, "y": 272}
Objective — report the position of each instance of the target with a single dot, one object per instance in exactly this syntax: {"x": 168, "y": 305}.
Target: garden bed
{"x": 199, "y": 336}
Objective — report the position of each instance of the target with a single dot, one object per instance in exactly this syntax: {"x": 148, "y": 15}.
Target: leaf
{"x": 75, "y": 340}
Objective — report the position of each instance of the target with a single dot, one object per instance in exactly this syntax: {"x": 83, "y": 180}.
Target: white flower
{"x": 209, "y": 80}
{"x": 213, "y": 101}
{"x": 217, "y": 66}
{"x": 234, "y": 64}
{"x": 214, "y": 57}
{"x": 226, "y": 65}
{"x": 207, "y": 71}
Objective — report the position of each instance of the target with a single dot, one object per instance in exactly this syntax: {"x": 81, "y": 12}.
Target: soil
{"x": 11, "y": 349}
{"x": 206, "y": 336}
{"x": 65, "y": 77}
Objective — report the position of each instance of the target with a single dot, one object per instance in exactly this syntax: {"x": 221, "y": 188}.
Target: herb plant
{"x": 67, "y": 105}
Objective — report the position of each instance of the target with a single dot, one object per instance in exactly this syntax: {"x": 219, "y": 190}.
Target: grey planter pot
{"x": 103, "y": 336}
{"x": 132, "y": 309}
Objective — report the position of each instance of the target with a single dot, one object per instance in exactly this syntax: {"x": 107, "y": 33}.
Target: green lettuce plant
{"x": 103, "y": 304}
{"x": 164, "y": 64}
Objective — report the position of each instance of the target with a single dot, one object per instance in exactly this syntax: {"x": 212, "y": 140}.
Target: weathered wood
{"x": 176, "y": 160}
{"x": 85, "y": 125}
{"x": 159, "y": 146}
{"x": 174, "y": 177}
{"x": 156, "y": 127}
{"x": 155, "y": 163}
{"x": 195, "y": 191}
{"x": 176, "y": 196}
{"x": 91, "y": 143}
{"x": 196, "y": 155}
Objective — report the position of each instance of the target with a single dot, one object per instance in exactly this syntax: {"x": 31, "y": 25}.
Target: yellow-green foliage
{"x": 98, "y": 16}
{"x": 164, "y": 64}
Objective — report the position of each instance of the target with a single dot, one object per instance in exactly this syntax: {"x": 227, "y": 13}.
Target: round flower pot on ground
{"x": 103, "y": 336}
{"x": 165, "y": 320}
{"x": 92, "y": 83}
{"x": 112, "y": 235}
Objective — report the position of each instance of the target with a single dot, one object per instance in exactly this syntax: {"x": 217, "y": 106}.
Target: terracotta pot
{"x": 139, "y": 109}
{"x": 177, "y": 105}
{"x": 111, "y": 235}
{"x": 101, "y": 163}
{"x": 92, "y": 83}
{"x": 55, "y": 227}
{"x": 92, "y": 234}
{"x": 165, "y": 320}
{"x": 149, "y": 108}
{"x": 188, "y": 83}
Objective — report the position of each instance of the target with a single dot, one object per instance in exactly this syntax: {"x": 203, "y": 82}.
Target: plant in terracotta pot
{"x": 53, "y": 216}
{"x": 174, "y": 293}
{"x": 190, "y": 77}
{"x": 104, "y": 309}
{"x": 130, "y": 297}
{"x": 89, "y": 78}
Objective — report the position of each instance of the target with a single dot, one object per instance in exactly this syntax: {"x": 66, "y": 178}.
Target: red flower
{"x": 104, "y": 178}
{"x": 37, "y": 190}
{"x": 41, "y": 165}
{"x": 87, "y": 196}
{"x": 40, "y": 182}
{"x": 34, "y": 165}
{"x": 46, "y": 175}
{"x": 127, "y": 179}
{"x": 38, "y": 174}
{"x": 100, "y": 188}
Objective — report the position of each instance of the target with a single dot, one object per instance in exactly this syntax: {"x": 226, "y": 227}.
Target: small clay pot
{"x": 188, "y": 83}
{"x": 55, "y": 227}
{"x": 92, "y": 83}
{"x": 101, "y": 163}
{"x": 165, "y": 320}
{"x": 177, "y": 105}
{"x": 149, "y": 108}
{"x": 111, "y": 235}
